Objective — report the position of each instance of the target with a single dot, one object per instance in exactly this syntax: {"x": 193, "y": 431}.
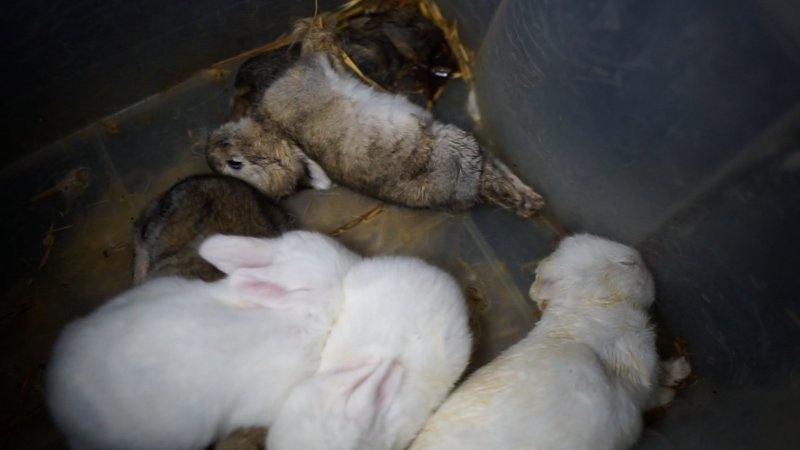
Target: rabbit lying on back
{"x": 318, "y": 115}
{"x": 257, "y": 74}
{"x": 398, "y": 347}
{"x": 583, "y": 375}
{"x": 176, "y": 363}
{"x": 170, "y": 228}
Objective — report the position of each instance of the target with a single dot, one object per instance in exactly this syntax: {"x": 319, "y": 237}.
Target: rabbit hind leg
{"x": 499, "y": 186}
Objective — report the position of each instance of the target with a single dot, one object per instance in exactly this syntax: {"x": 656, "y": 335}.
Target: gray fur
{"x": 271, "y": 161}
{"x": 374, "y": 142}
{"x": 170, "y": 229}
{"x": 416, "y": 162}
{"x": 397, "y": 47}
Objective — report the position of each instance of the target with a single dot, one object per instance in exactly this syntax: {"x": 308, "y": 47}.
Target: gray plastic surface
{"x": 673, "y": 126}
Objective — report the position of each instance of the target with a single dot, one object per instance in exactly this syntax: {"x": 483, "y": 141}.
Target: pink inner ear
{"x": 372, "y": 396}
{"x": 258, "y": 290}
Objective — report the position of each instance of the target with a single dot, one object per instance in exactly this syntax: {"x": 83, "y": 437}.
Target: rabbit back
{"x": 424, "y": 329}
{"x": 168, "y": 365}
{"x": 170, "y": 229}
{"x": 400, "y": 342}
{"x": 535, "y": 396}
{"x": 581, "y": 377}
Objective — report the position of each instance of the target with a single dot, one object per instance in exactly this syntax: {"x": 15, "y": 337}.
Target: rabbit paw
{"x": 675, "y": 370}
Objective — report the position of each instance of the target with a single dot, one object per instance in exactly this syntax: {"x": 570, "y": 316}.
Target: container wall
{"x": 673, "y": 126}
{"x": 72, "y": 63}
{"x": 670, "y": 125}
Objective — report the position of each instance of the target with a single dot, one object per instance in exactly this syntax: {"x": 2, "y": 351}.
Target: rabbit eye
{"x": 234, "y": 164}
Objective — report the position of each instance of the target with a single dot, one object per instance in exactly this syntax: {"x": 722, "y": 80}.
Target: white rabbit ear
{"x": 370, "y": 389}
{"x": 542, "y": 290}
{"x": 257, "y": 288}
{"x": 229, "y": 253}
{"x": 318, "y": 179}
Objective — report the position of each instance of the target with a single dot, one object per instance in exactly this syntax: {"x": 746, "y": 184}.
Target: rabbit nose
{"x": 234, "y": 164}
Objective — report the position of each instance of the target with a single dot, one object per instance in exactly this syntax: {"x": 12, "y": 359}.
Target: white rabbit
{"x": 400, "y": 343}
{"x": 175, "y": 363}
{"x": 581, "y": 377}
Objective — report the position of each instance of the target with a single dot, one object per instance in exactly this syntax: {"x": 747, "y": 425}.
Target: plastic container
{"x": 672, "y": 126}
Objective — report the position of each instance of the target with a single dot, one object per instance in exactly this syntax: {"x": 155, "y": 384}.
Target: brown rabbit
{"x": 395, "y": 46}
{"x": 170, "y": 229}
{"x": 257, "y": 74}
{"x": 374, "y": 142}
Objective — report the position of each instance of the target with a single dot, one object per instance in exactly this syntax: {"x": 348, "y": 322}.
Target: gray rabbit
{"x": 256, "y": 74}
{"x": 374, "y": 142}
{"x": 394, "y": 45}
{"x": 170, "y": 229}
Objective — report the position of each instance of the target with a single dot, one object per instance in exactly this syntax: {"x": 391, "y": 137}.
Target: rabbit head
{"x": 340, "y": 409}
{"x": 294, "y": 269}
{"x": 261, "y": 155}
{"x": 586, "y": 267}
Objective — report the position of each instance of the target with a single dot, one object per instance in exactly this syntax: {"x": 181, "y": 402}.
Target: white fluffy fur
{"x": 376, "y": 108}
{"x": 174, "y": 363}
{"x": 398, "y": 347}
{"x": 580, "y": 379}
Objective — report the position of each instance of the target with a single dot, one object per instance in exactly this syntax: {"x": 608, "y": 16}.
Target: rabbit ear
{"x": 260, "y": 288}
{"x": 229, "y": 253}
{"x": 369, "y": 388}
{"x": 542, "y": 290}
{"x": 317, "y": 177}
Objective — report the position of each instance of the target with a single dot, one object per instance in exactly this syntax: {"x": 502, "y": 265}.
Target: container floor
{"x": 68, "y": 212}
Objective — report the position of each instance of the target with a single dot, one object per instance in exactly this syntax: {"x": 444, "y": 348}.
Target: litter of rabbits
{"x": 150, "y": 215}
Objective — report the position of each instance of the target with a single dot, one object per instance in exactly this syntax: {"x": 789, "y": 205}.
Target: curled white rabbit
{"x": 581, "y": 377}
{"x": 400, "y": 343}
{"x": 176, "y": 363}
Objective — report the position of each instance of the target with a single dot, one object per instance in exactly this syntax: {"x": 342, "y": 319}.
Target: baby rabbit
{"x": 170, "y": 229}
{"x": 393, "y": 45}
{"x": 255, "y": 75}
{"x": 274, "y": 163}
{"x": 175, "y": 363}
{"x": 399, "y": 345}
{"x": 582, "y": 376}
{"x": 319, "y": 116}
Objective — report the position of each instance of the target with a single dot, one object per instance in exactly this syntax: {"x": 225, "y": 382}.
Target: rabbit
{"x": 255, "y": 75}
{"x": 176, "y": 363}
{"x": 169, "y": 229}
{"x": 581, "y": 378}
{"x": 274, "y": 164}
{"x": 396, "y": 47}
{"x": 374, "y": 142}
{"x": 400, "y": 343}
{"x": 671, "y": 373}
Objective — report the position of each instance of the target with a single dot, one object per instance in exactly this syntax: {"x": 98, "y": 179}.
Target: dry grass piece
{"x": 49, "y": 241}
{"x": 363, "y": 218}
{"x": 464, "y": 56}
{"x": 339, "y": 20}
